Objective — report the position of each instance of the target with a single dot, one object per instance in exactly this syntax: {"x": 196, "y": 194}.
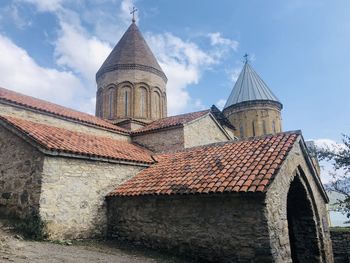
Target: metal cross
{"x": 133, "y": 14}
{"x": 246, "y": 59}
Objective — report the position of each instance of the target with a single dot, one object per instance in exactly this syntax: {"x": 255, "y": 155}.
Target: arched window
{"x": 253, "y": 126}
{"x": 110, "y": 103}
{"x": 126, "y": 97}
{"x": 264, "y": 127}
{"x": 273, "y": 126}
{"x": 241, "y": 131}
{"x": 99, "y": 103}
{"x": 143, "y": 102}
{"x": 156, "y": 104}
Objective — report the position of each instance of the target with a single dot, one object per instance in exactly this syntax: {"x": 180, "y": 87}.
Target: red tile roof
{"x": 48, "y": 107}
{"x": 241, "y": 166}
{"x": 62, "y": 140}
{"x": 172, "y": 121}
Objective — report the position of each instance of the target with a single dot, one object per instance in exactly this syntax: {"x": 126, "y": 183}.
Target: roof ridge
{"x": 178, "y": 120}
{"x": 297, "y": 132}
{"x": 19, "y": 99}
{"x": 61, "y": 140}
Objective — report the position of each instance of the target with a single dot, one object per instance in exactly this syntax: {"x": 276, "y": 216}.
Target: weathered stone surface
{"x": 72, "y": 201}
{"x": 8, "y": 110}
{"x": 276, "y": 206}
{"x": 341, "y": 245}
{"x": 199, "y": 132}
{"x": 219, "y": 228}
{"x": 111, "y": 99}
{"x": 162, "y": 140}
{"x": 203, "y": 131}
{"x": 20, "y": 175}
{"x": 254, "y": 119}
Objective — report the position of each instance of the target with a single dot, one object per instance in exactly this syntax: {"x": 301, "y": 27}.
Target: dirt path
{"x": 14, "y": 249}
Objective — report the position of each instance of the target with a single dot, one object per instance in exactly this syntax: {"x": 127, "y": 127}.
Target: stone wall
{"x": 218, "y": 228}
{"x": 20, "y": 175}
{"x": 72, "y": 202}
{"x": 276, "y": 204}
{"x": 57, "y": 122}
{"x": 341, "y": 244}
{"x": 162, "y": 140}
{"x": 203, "y": 131}
{"x": 111, "y": 87}
{"x": 255, "y": 119}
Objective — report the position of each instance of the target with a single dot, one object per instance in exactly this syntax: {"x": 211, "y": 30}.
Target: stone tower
{"x": 252, "y": 107}
{"x": 131, "y": 86}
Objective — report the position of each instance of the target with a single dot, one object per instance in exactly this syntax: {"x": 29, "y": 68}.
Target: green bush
{"x": 32, "y": 226}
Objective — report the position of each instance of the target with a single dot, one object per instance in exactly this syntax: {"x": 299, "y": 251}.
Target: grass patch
{"x": 340, "y": 229}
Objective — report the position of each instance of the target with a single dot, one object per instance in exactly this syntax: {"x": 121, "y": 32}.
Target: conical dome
{"x": 250, "y": 87}
{"x": 131, "y": 52}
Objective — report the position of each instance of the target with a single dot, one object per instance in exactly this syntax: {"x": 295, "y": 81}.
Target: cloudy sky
{"x": 52, "y": 48}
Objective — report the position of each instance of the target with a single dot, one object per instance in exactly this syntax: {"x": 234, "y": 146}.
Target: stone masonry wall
{"x": 203, "y": 131}
{"x": 262, "y": 115}
{"x": 162, "y": 141}
{"x": 217, "y": 228}
{"x": 45, "y": 119}
{"x": 20, "y": 175}
{"x": 134, "y": 79}
{"x": 276, "y": 203}
{"x": 72, "y": 202}
{"x": 341, "y": 245}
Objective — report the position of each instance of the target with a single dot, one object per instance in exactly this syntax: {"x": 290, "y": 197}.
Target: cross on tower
{"x": 133, "y": 11}
{"x": 246, "y": 59}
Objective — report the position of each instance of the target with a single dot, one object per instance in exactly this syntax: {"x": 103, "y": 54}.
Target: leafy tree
{"x": 339, "y": 157}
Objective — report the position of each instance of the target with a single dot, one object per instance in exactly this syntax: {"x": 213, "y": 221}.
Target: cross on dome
{"x": 133, "y": 11}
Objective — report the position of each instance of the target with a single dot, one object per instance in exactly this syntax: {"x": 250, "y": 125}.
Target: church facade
{"x": 225, "y": 186}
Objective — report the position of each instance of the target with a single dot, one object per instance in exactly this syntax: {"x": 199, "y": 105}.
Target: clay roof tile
{"x": 200, "y": 169}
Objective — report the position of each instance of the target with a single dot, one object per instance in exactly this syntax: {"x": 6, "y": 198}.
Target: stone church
{"x": 220, "y": 186}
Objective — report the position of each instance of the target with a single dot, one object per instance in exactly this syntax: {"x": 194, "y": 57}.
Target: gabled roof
{"x": 250, "y": 87}
{"x": 51, "y": 108}
{"x": 235, "y": 166}
{"x": 59, "y": 140}
{"x": 131, "y": 52}
{"x": 173, "y": 121}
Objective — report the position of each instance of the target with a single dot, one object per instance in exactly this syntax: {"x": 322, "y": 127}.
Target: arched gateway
{"x": 302, "y": 225}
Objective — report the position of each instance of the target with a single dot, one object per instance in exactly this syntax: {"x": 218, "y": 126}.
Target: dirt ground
{"x": 14, "y": 249}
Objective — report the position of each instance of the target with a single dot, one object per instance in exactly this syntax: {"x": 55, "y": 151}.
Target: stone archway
{"x": 302, "y": 227}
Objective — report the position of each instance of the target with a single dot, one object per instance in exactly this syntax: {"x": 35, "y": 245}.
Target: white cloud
{"x": 327, "y": 170}
{"x": 75, "y": 49}
{"x": 125, "y": 8}
{"x": 18, "y": 71}
{"x": 234, "y": 74}
{"x": 13, "y": 14}
{"x": 329, "y": 144}
{"x": 83, "y": 50}
{"x": 220, "y": 103}
{"x": 183, "y": 63}
{"x": 45, "y": 5}
{"x": 217, "y": 39}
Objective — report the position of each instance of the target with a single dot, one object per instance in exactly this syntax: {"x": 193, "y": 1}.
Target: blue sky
{"x": 52, "y": 49}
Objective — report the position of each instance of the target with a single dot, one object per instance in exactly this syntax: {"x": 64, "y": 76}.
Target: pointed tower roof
{"x": 131, "y": 52}
{"x": 250, "y": 87}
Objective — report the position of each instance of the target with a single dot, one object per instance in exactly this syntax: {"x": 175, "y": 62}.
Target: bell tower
{"x": 252, "y": 107}
{"x": 131, "y": 86}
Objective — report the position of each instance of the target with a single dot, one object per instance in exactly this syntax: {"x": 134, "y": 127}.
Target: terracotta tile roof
{"x": 172, "y": 121}
{"x": 61, "y": 140}
{"x": 48, "y": 107}
{"x": 241, "y": 166}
